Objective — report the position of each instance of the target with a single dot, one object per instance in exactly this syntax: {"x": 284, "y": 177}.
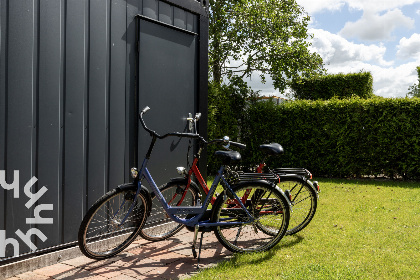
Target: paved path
{"x": 169, "y": 259}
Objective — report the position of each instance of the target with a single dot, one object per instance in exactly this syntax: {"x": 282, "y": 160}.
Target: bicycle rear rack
{"x": 298, "y": 171}
{"x": 245, "y": 177}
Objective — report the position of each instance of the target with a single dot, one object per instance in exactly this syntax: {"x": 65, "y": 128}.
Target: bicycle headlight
{"x": 181, "y": 170}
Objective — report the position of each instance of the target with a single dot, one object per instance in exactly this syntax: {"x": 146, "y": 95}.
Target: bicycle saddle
{"x": 272, "y": 149}
{"x": 228, "y": 156}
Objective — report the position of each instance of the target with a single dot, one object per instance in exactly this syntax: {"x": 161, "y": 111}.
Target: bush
{"x": 338, "y": 138}
{"x": 330, "y": 86}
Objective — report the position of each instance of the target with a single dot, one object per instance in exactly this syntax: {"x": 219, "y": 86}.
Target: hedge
{"x": 334, "y": 85}
{"x": 338, "y": 138}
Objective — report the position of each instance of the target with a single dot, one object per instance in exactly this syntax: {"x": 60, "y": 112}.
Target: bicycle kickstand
{"x": 199, "y": 250}
{"x": 195, "y": 242}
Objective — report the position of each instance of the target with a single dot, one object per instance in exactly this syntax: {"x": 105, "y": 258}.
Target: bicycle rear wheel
{"x": 109, "y": 227}
{"x": 266, "y": 204}
{"x": 159, "y": 226}
{"x": 304, "y": 200}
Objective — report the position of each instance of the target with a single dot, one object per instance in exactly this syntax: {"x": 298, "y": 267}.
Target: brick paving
{"x": 168, "y": 259}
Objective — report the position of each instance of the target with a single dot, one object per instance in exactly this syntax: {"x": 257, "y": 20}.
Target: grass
{"x": 363, "y": 229}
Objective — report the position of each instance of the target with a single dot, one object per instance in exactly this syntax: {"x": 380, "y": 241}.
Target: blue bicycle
{"x": 254, "y": 224}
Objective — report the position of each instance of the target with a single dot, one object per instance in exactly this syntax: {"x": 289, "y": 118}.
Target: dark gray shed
{"x": 73, "y": 75}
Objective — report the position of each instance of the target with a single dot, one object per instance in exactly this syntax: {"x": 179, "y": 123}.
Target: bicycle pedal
{"x": 194, "y": 252}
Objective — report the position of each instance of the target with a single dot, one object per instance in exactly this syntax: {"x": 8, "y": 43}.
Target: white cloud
{"x": 334, "y": 49}
{"x": 343, "y": 56}
{"x": 375, "y": 27}
{"x": 379, "y": 5}
{"x": 393, "y": 81}
{"x": 381, "y": 18}
{"x": 409, "y": 48}
{"x": 312, "y": 6}
{"x": 387, "y": 81}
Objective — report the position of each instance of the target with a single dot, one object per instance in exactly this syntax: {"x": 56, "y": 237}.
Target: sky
{"x": 378, "y": 36}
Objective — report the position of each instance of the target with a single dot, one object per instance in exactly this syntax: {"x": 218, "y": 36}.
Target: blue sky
{"x": 379, "y": 36}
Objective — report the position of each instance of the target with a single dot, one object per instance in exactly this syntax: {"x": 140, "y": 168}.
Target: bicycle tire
{"x": 263, "y": 197}
{"x": 304, "y": 200}
{"x": 100, "y": 234}
{"x": 159, "y": 226}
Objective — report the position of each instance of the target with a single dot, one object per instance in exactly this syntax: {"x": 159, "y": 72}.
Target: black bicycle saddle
{"x": 272, "y": 149}
{"x": 228, "y": 156}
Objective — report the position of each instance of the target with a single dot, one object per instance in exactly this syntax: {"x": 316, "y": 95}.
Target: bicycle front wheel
{"x": 112, "y": 223}
{"x": 265, "y": 203}
{"x": 159, "y": 226}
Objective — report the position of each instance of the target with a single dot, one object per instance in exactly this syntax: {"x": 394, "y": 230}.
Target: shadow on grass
{"x": 237, "y": 260}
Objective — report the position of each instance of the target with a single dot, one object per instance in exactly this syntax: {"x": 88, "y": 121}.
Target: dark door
{"x": 168, "y": 85}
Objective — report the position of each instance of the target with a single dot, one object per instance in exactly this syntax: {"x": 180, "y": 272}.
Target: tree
{"x": 227, "y": 110}
{"x": 414, "y": 90}
{"x": 268, "y": 36}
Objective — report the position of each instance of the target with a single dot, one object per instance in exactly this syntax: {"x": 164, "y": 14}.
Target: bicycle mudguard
{"x": 179, "y": 179}
{"x": 290, "y": 177}
{"x": 184, "y": 181}
{"x": 143, "y": 191}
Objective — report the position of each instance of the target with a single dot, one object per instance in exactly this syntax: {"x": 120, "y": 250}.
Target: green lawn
{"x": 363, "y": 229}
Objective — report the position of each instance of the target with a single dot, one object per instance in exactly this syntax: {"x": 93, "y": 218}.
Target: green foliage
{"x": 330, "y": 86}
{"x": 264, "y": 36}
{"x": 338, "y": 138}
{"x": 414, "y": 90}
{"x": 227, "y": 107}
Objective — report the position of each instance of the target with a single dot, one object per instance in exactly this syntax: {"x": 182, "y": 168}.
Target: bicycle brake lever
{"x": 145, "y": 109}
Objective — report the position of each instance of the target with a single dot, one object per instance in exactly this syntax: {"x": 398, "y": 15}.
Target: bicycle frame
{"x": 197, "y": 211}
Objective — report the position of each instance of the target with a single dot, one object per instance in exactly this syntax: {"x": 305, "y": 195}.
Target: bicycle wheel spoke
{"x": 264, "y": 232}
{"x": 102, "y": 233}
{"x": 237, "y": 235}
{"x": 304, "y": 203}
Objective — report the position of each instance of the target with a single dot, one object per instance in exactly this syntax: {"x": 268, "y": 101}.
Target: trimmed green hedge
{"x": 338, "y": 138}
{"x": 337, "y": 85}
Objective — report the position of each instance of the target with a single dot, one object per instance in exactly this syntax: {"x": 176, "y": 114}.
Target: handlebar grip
{"x": 145, "y": 109}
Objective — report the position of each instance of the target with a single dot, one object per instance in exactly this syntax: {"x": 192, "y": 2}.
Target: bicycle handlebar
{"x": 225, "y": 141}
{"x": 228, "y": 142}
{"x": 177, "y": 134}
